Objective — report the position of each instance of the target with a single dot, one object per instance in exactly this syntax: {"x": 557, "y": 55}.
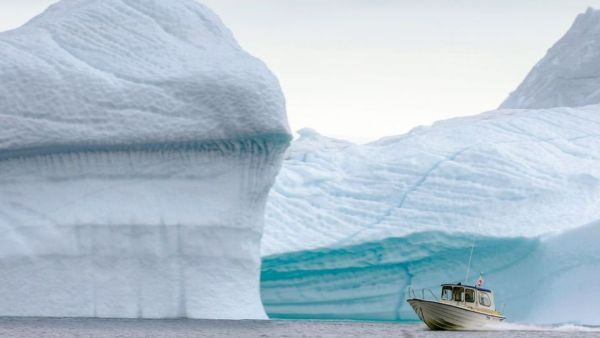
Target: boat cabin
{"x": 468, "y": 296}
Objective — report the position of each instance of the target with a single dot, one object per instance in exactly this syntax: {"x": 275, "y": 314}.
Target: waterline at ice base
{"x": 138, "y": 143}
{"x": 350, "y": 227}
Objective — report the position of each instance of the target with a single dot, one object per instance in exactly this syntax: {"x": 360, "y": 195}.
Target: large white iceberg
{"x": 350, "y": 227}
{"x": 138, "y": 143}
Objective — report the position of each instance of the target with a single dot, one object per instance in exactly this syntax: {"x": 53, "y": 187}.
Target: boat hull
{"x": 441, "y": 316}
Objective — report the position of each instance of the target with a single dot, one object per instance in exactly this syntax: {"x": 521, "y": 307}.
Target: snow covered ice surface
{"x": 349, "y": 227}
{"x": 502, "y": 173}
{"x": 138, "y": 143}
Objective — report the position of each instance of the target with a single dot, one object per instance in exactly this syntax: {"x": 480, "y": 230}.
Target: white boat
{"x": 460, "y": 307}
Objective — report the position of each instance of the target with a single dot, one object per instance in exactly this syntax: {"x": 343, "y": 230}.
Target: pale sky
{"x": 365, "y": 69}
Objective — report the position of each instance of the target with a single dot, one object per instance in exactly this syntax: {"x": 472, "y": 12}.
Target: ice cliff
{"x": 569, "y": 74}
{"x": 138, "y": 143}
{"x": 350, "y": 227}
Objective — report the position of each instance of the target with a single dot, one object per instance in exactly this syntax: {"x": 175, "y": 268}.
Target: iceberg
{"x": 569, "y": 74}
{"x": 138, "y": 144}
{"x": 350, "y": 227}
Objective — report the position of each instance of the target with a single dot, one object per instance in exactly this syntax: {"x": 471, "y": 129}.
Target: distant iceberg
{"x": 349, "y": 227}
{"x": 138, "y": 143}
{"x": 569, "y": 74}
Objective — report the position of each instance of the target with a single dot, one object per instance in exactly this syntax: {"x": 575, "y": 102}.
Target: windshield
{"x": 458, "y": 294}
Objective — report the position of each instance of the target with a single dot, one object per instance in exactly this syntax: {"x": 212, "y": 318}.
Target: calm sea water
{"x": 33, "y": 327}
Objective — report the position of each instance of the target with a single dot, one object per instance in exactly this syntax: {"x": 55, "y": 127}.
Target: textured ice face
{"x": 138, "y": 144}
{"x": 153, "y": 233}
{"x": 569, "y": 74}
{"x": 113, "y": 72}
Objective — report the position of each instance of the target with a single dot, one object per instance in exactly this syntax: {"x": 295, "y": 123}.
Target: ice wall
{"x": 138, "y": 143}
{"x": 569, "y": 74}
{"x": 350, "y": 227}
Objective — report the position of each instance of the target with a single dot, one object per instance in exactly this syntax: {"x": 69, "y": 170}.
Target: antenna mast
{"x": 469, "y": 265}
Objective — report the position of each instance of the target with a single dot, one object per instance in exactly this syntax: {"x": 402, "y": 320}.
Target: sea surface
{"x": 43, "y": 327}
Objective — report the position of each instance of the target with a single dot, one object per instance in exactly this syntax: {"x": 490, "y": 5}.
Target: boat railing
{"x": 412, "y": 293}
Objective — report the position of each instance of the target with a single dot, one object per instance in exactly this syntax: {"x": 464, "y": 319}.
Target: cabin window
{"x": 447, "y": 293}
{"x": 470, "y": 295}
{"x": 458, "y": 294}
{"x": 484, "y": 299}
